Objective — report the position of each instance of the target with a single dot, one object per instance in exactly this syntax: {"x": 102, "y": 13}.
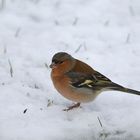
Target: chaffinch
{"x": 77, "y": 81}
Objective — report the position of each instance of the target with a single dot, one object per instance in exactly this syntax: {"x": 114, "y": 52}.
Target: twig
{"x": 36, "y": 1}
{"x": 75, "y": 21}
{"x": 78, "y": 48}
{"x": 3, "y": 83}
{"x": 46, "y": 65}
{"x": 28, "y": 94}
{"x": 25, "y": 110}
{"x": 49, "y": 102}
{"x": 100, "y": 122}
{"x": 36, "y": 86}
{"x": 57, "y": 4}
{"x": 5, "y": 49}
{"x": 102, "y": 134}
{"x": 131, "y": 10}
{"x": 2, "y": 4}
{"x": 11, "y": 69}
{"x": 81, "y": 45}
{"x": 128, "y": 38}
{"x": 17, "y": 32}
{"x": 56, "y": 22}
{"x": 107, "y": 23}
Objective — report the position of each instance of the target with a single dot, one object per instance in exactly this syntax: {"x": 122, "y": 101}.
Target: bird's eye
{"x": 60, "y": 62}
{"x": 57, "y": 62}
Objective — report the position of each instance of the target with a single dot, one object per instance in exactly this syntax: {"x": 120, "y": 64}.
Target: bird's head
{"x": 62, "y": 62}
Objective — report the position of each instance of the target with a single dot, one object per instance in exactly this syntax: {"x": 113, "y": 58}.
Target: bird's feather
{"x": 93, "y": 81}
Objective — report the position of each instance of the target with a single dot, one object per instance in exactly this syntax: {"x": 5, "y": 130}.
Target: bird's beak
{"x": 53, "y": 65}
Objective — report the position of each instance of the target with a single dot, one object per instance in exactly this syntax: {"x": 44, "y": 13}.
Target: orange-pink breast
{"x": 63, "y": 86}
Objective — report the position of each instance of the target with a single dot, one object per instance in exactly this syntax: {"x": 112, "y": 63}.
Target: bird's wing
{"x": 93, "y": 81}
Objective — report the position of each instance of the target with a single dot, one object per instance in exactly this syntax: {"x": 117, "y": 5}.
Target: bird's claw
{"x": 72, "y": 107}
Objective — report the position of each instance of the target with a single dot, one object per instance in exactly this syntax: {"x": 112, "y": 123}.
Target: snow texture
{"x": 103, "y": 33}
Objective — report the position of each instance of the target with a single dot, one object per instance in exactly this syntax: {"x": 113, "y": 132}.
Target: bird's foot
{"x": 72, "y": 107}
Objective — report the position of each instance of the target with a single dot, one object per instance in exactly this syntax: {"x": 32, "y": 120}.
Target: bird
{"x": 79, "y": 82}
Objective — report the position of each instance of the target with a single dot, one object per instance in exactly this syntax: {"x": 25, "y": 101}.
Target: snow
{"x": 104, "y": 34}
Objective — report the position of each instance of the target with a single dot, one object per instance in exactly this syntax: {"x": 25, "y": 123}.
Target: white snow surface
{"x": 103, "y": 33}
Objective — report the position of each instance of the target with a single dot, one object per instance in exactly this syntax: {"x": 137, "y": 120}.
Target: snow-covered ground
{"x": 103, "y": 33}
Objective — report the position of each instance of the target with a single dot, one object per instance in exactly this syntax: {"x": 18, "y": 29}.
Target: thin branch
{"x": 28, "y": 94}
{"x": 77, "y": 50}
{"x": 46, "y": 65}
{"x": 3, "y": 83}
{"x": 100, "y": 122}
{"x": 11, "y": 69}
{"x": 107, "y": 23}
{"x": 36, "y": 86}
{"x": 17, "y": 32}
{"x": 128, "y": 38}
{"x": 5, "y": 49}
{"x": 75, "y": 21}
{"x": 81, "y": 45}
{"x": 2, "y": 4}
{"x": 131, "y": 10}
{"x": 36, "y": 1}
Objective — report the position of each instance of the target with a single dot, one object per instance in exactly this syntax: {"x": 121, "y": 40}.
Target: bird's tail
{"x": 114, "y": 86}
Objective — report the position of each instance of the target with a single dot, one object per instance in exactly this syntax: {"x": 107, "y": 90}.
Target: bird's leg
{"x": 71, "y": 107}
